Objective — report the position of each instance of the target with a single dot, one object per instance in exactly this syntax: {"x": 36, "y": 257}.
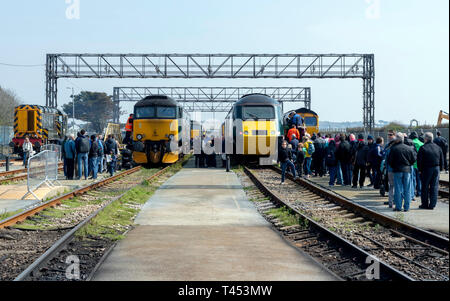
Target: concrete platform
{"x": 437, "y": 219}
{"x": 200, "y": 226}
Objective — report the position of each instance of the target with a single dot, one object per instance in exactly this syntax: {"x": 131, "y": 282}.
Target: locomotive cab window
{"x": 166, "y": 112}
{"x": 258, "y": 112}
{"x": 310, "y": 121}
{"x": 145, "y": 112}
{"x": 31, "y": 123}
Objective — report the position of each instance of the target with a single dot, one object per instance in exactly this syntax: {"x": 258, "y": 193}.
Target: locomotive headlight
{"x": 139, "y": 136}
{"x": 171, "y": 137}
{"x": 246, "y": 133}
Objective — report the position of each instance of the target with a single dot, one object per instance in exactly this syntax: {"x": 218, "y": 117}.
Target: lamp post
{"x": 73, "y": 110}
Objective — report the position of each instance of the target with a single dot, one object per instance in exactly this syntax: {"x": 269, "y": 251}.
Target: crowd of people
{"x": 90, "y": 153}
{"x": 203, "y": 159}
{"x": 405, "y": 166}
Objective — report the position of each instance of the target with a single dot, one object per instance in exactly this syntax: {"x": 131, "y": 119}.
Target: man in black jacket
{"x": 344, "y": 156}
{"x": 285, "y": 158}
{"x": 401, "y": 158}
{"x": 430, "y": 161}
{"x": 360, "y": 163}
{"x": 443, "y": 144}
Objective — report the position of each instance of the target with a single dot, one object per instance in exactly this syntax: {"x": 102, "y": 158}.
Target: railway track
{"x": 345, "y": 236}
{"x": 21, "y": 174}
{"x": 21, "y": 246}
{"x": 47, "y": 249}
{"x": 443, "y": 190}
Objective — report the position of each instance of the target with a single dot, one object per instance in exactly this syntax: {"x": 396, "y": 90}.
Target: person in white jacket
{"x": 27, "y": 151}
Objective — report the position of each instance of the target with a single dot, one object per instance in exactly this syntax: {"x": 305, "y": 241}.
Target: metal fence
{"x": 42, "y": 169}
{"x": 53, "y": 148}
{"x": 6, "y": 135}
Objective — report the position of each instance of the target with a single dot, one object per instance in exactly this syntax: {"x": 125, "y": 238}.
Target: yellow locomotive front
{"x": 256, "y": 126}
{"x": 40, "y": 124}
{"x": 159, "y": 129}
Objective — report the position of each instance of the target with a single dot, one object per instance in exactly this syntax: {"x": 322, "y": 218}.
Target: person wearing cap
{"x": 430, "y": 161}
{"x": 417, "y": 183}
{"x": 443, "y": 144}
{"x": 360, "y": 162}
{"x": 401, "y": 158}
{"x": 290, "y": 119}
{"x": 297, "y": 119}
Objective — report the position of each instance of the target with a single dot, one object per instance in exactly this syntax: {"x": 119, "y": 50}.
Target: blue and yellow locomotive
{"x": 161, "y": 130}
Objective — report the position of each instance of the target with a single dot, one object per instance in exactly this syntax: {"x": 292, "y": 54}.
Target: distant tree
{"x": 93, "y": 107}
{"x": 8, "y": 101}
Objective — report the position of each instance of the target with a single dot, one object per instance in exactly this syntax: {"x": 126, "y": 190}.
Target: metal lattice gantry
{"x": 209, "y": 99}
{"x": 276, "y": 66}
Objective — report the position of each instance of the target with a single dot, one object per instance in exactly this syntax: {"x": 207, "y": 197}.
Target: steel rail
{"x": 21, "y": 177}
{"x": 422, "y": 235}
{"x": 68, "y": 237}
{"x": 57, "y": 201}
{"x": 443, "y": 192}
{"x": 386, "y": 271}
{"x": 23, "y": 170}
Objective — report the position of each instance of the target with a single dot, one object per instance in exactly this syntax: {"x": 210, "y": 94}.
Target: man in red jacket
{"x": 293, "y": 131}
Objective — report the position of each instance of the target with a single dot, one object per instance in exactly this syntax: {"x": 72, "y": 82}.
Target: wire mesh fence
{"x": 6, "y": 135}
{"x": 53, "y": 148}
{"x": 42, "y": 169}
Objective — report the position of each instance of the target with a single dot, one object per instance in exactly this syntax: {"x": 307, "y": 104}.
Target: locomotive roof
{"x": 305, "y": 110}
{"x": 256, "y": 99}
{"x": 42, "y": 108}
{"x": 157, "y": 100}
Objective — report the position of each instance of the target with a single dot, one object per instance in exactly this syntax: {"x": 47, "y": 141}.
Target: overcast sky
{"x": 408, "y": 37}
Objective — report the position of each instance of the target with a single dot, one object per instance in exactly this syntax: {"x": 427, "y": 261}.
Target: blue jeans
{"x": 430, "y": 186}
{"x": 284, "y": 165}
{"x": 112, "y": 165}
{"x": 82, "y": 157}
{"x": 339, "y": 174}
{"x": 418, "y": 182}
{"x": 307, "y": 165}
{"x": 333, "y": 173}
{"x": 93, "y": 165}
{"x": 100, "y": 164}
{"x": 346, "y": 173}
{"x": 413, "y": 183}
{"x": 25, "y": 159}
{"x": 402, "y": 189}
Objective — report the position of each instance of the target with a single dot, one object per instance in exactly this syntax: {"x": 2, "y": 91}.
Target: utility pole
{"x": 73, "y": 110}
